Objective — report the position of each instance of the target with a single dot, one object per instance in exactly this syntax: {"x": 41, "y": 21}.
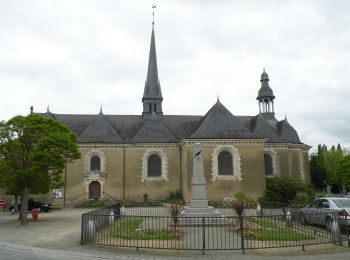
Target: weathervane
{"x": 153, "y": 7}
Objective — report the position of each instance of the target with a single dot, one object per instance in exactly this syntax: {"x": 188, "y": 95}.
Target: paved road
{"x": 57, "y": 235}
{"x": 10, "y": 251}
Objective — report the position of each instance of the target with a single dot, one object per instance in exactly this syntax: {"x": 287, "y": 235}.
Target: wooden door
{"x": 94, "y": 190}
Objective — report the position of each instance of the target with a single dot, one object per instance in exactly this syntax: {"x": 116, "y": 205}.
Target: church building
{"x": 126, "y": 156}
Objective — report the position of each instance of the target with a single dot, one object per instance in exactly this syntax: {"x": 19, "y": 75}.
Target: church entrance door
{"x": 94, "y": 190}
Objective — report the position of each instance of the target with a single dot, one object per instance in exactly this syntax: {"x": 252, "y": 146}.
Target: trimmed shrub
{"x": 283, "y": 189}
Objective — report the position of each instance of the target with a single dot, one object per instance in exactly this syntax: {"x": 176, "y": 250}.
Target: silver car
{"x": 323, "y": 210}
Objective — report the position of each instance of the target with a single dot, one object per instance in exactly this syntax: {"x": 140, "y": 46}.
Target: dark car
{"x": 32, "y": 204}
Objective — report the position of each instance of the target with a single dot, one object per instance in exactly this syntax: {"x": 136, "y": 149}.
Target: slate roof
{"x": 265, "y": 91}
{"x": 261, "y": 127}
{"x": 153, "y": 130}
{"x": 99, "y": 130}
{"x": 287, "y": 133}
{"x": 152, "y": 86}
{"x": 219, "y": 123}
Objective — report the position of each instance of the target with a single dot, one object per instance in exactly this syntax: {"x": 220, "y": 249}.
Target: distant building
{"x": 125, "y": 156}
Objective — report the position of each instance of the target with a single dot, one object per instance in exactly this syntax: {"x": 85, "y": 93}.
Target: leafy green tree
{"x": 343, "y": 172}
{"x": 324, "y": 165}
{"x": 332, "y": 159}
{"x": 318, "y": 172}
{"x": 33, "y": 153}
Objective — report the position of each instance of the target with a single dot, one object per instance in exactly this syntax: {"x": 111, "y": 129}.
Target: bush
{"x": 175, "y": 197}
{"x": 96, "y": 203}
{"x": 283, "y": 189}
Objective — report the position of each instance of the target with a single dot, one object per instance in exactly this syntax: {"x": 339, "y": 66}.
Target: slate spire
{"x": 152, "y": 95}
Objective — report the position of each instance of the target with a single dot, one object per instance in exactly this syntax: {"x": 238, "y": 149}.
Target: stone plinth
{"x": 199, "y": 198}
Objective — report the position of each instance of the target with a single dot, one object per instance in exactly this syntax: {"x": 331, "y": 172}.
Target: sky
{"x": 76, "y": 55}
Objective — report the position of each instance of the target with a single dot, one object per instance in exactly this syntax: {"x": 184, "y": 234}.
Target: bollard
{"x": 258, "y": 210}
{"x": 35, "y": 214}
{"x": 289, "y": 219}
{"x": 111, "y": 218}
{"x": 122, "y": 211}
{"x": 91, "y": 231}
{"x": 336, "y": 234}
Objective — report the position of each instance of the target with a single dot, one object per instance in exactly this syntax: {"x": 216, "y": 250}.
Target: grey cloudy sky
{"x": 78, "y": 54}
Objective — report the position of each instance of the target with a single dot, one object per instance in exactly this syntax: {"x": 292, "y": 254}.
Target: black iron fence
{"x": 156, "y": 228}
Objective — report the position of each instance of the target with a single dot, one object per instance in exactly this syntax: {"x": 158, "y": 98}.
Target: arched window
{"x": 154, "y": 166}
{"x": 268, "y": 165}
{"x": 95, "y": 163}
{"x": 225, "y": 163}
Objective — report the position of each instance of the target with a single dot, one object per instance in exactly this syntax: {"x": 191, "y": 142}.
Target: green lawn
{"x": 271, "y": 230}
{"x": 130, "y": 229}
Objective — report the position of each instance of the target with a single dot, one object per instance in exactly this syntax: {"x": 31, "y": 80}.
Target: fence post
{"x": 347, "y": 230}
{"x": 242, "y": 234}
{"x": 203, "y": 235}
{"x": 82, "y": 229}
{"x": 335, "y": 229}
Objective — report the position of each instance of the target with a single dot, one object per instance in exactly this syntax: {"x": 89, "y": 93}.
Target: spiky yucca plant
{"x": 175, "y": 209}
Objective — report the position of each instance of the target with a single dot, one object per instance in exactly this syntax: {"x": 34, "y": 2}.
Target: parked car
{"x": 32, "y": 204}
{"x": 323, "y": 210}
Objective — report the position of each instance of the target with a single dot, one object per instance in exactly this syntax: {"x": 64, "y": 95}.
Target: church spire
{"x": 152, "y": 95}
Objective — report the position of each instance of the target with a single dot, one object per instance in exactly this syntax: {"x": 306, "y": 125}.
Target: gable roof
{"x": 99, "y": 130}
{"x": 287, "y": 133}
{"x": 153, "y": 131}
{"x": 219, "y": 123}
{"x": 261, "y": 127}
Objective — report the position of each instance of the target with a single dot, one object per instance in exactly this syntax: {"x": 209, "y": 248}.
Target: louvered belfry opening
{"x": 95, "y": 163}
{"x": 225, "y": 163}
{"x": 154, "y": 166}
{"x": 268, "y": 165}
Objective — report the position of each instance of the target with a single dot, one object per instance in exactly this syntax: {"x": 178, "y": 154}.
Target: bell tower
{"x": 266, "y": 97}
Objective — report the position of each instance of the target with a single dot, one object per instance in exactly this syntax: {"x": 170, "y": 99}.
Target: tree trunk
{"x": 19, "y": 212}
{"x": 16, "y": 204}
{"x": 24, "y": 208}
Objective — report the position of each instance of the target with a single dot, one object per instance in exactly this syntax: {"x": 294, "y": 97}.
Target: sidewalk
{"x": 58, "y": 232}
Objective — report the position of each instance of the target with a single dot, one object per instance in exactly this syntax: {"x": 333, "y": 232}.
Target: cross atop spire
{"x": 153, "y": 7}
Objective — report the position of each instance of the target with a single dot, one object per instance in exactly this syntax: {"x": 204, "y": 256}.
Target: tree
{"x": 343, "y": 172}
{"x": 332, "y": 159}
{"x": 324, "y": 165}
{"x": 33, "y": 153}
{"x": 318, "y": 172}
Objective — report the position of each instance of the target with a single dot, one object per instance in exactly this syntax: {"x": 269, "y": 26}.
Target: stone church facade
{"x": 126, "y": 156}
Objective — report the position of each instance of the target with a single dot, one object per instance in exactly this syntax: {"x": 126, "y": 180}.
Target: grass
{"x": 130, "y": 229}
{"x": 277, "y": 231}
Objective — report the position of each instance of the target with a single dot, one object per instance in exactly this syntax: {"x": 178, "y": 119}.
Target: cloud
{"x": 77, "y": 55}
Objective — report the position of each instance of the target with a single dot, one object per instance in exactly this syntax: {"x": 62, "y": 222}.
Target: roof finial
{"x": 153, "y": 7}
{"x": 264, "y": 69}
{"x": 48, "y": 109}
{"x": 217, "y": 97}
{"x": 101, "y": 110}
